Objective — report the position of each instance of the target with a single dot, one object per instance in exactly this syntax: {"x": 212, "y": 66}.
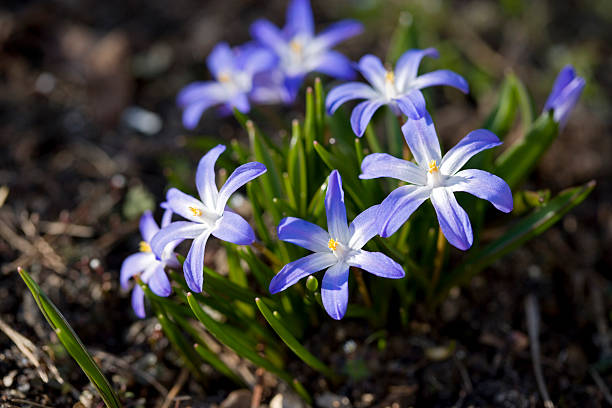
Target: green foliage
{"x": 71, "y": 342}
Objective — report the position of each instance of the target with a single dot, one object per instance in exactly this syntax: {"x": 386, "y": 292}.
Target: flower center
{"x": 332, "y": 244}
{"x": 196, "y": 211}
{"x": 433, "y": 167}
{"x": 390, "y": 76}
{"x": 144, "y": 247}
{"x": 296, "y": 46}
{"x": 224, "y": 77}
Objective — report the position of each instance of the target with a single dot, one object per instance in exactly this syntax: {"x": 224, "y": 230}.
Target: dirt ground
{"x": 89, "y": 132}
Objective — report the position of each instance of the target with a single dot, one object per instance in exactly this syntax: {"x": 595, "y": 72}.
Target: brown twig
{"x": 602, "y": 385}
{"x": 533, "y": 328}
{"x": 363, "y": 290}
{"x": 176, "y": 388}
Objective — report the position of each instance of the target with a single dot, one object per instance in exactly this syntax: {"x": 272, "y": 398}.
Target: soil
{"x": 89, "y": 132}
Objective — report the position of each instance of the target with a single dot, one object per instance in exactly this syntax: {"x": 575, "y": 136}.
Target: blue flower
{"x": 300, "y": 51}
{"x": 565, "y": 94}
{"x": 208, "y": 215}
{"x": 437, "y": 178}
{"x": 234, "y": 72}
{"x": 150, "y": 264}
{"x": 399, "y": 88}
{"x": 335, "y": 250}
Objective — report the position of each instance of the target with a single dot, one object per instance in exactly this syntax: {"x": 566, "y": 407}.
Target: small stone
{"x": 286, "y": 401}
{"x": 329, "y": 400}
{"x": 237, "y": 399}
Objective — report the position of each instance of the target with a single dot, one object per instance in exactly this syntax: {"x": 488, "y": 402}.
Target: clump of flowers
{"x": 295, "y": 186}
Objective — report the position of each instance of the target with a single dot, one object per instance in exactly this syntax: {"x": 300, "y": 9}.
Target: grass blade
{"x": 71, "y": 342}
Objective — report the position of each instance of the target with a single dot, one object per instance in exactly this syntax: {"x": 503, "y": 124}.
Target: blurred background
{"x": 90, "y": 136}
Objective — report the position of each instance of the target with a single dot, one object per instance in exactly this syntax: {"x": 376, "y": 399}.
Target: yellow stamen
{"x": 433, "y": 166}
{"x": 144, "y": 247}
{"x": 332, "y": 244}
{"x": 224, "y": 77}
{"x": 390, "y": 76}
{"x": 196, "y": 211}
{"x": 296, "y": 46}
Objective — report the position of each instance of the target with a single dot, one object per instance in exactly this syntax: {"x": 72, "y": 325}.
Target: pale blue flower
{"x": 207, "y": 215}
{"x": 564, "y": 95}
{"x": 148, "y": 263}
{"x": 399, "y": 88}
{"x": 234, "y": 71}
{"x": 437, "y": 178}
{"x": 300, "y": 51}
{"x": 336, "y": 250}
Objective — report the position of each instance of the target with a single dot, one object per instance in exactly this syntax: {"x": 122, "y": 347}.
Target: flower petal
{"x": 484, "y": 185}
{"x": 134, "y": 264}
{"x": 240, "y": 101}
{"x": 266, "y": 33}
{"x": 567, "y": 99}
{"x": 475, "y": 142}
{"x": 377, "y": 264}
{"x": 338, "y": 32}
{"x": 237, "y": 179}
{"x": 364, "y": 227}
{"x": 336, "y": 65}
{"x": 335, "y": 208}
{"x": 205, "y": 177}
{"x": 148, "y": 227}
{"x": 292, "y": 86}
{"x": 296, "y": 270}
{"x": 193, "y": 267}
{"x": 138, "y": 302}
{"x": 252, "y": 59}
{"x": 453, "y": 219}
{"x": 347, "y": 92}
{"x": 395, "y": 210}
{"x": 565, "y": 76}
{"x": 334, "y": 290}
{"x": 373, "y": 70}
{"x": 420, "y": 134}
{"x": 200, "y": 92}
{"x": 407, "y": 66}
{"x": 441, "y": 77}
{"x": 176, "y": 231}
{"x": 303, "y": 233}
{"x": 233, "y": 228}
{"x": 362, "y": 114}
{"x": 159, "y": 283}
{"x": 377, "y": 165}
{"x": 299, "y": 18}
{"x": 180, "y": 203}
{"x": 193, "y": 112}
{"x": 221, "y": 60}
{"x": 412, "y": 104}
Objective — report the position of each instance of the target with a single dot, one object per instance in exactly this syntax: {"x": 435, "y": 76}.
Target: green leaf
{"x": 298, "y": 169}
{"x": 529, "y": 227}
{"x": 515, "y": 164}
{"x": 71, "y": 342}
{"x": 230, "y": 341}
{"x": 291, "y": 342}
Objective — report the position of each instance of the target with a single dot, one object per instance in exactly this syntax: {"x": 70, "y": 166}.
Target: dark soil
{"x": 73, "y": 160}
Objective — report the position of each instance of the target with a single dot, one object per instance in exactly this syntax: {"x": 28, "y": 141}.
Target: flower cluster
{"x": 271, "y": 69}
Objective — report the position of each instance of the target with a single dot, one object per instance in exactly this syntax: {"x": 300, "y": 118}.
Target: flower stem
{"x": 439, "y": 259}
{"x": 267, "y": 253}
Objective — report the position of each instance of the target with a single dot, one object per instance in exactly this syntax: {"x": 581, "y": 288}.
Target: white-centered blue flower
{"x": 148, "y": 263}
{"x": 437, "y": 178}
{"x": 564, "y": 95}
{"x": 399, "y": 88}
{"x": 234, "y": 71}
{"x": 335, "y": 250}
{"x": 300, "y": 51}
{"x": 207, "y": 215}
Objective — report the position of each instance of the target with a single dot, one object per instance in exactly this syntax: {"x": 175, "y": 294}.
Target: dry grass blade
{"x": 532, "y": 312}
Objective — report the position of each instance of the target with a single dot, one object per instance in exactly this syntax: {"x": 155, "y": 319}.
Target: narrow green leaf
{"x": 310, "y": 119}
{"x": 291, "y": 342}
{"x": 298, "y": 169}
{"x": 319, "y": 101}
{"x": 501, "y": 119}
{"x": 71, "y": 342}
{"x": 270, "y": 180}
{"x": 230, "y": 341}
{"x": 515, "y": 164}
{"x": 529, "y": 227}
